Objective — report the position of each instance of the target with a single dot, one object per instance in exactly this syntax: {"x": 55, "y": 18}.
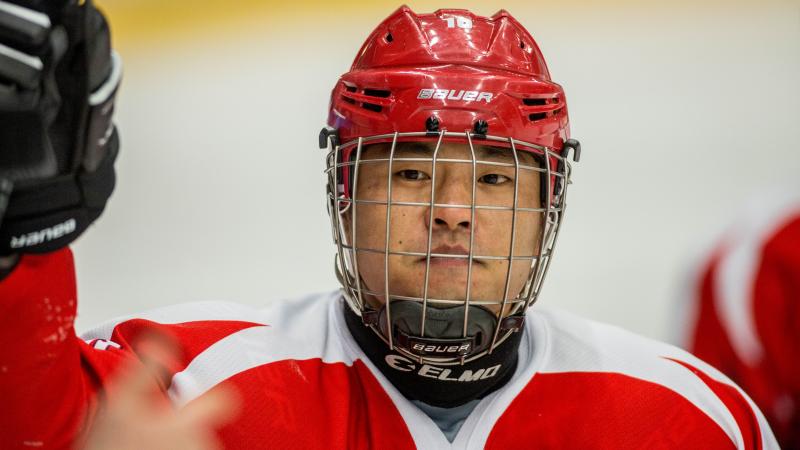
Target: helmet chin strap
{"x": 445, "y": 386}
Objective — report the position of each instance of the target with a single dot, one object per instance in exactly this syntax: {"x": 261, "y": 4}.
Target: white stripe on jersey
{"x": 739, "y": 267}
{"x": 281, "y": 339}
{"x": 181, "y": 313}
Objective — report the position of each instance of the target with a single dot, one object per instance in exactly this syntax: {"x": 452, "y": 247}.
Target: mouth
{"x": 449, "y": 256}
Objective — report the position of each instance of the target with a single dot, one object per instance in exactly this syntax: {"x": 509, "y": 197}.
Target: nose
{"x": 455, "y": 196}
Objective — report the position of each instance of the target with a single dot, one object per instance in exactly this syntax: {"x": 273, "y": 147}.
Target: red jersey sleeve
{"x": 49, "y": 378}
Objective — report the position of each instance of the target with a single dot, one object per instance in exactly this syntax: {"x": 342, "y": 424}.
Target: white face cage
{"x": 343, "y": 204}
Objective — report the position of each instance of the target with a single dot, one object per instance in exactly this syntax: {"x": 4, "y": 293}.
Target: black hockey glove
{"x": 58, "y": 80}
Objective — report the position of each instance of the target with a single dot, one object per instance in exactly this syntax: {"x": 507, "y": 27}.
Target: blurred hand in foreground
{"x": 139, "y": 418}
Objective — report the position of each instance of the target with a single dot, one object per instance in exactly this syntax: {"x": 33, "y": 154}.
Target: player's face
{"x": 450, "y": 227}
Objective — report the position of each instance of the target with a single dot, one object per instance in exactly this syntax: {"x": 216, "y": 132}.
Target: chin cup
{"x": 444, "y": 335}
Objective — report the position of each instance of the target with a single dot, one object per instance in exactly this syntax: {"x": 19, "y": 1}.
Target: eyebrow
{"x": 417, "y": 148}
{"x": 495, "y": 151}
{"x": 481, "y": 151}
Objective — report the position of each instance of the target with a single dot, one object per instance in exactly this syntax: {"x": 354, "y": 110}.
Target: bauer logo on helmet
{"x": 452, "y": 94}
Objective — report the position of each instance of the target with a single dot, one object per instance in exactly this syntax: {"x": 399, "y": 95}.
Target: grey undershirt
{"x": 449, "y": 420}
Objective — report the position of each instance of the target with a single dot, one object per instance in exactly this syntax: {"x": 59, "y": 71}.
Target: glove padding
{"x": 58, "y": 80}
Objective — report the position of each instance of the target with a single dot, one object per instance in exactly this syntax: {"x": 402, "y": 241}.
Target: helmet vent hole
{"x": 377, "y": 93}
{"x": 522, "y": 45}
{"x": 372, "y": 107}
{"x": 537, "y": 116}
{"x": 347, "y": 99}
{"x": 389, "y": 38}
{"x": 534, "y": 101}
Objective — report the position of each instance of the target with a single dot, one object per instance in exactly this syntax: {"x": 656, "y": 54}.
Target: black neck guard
{"x": 442, "y": 386}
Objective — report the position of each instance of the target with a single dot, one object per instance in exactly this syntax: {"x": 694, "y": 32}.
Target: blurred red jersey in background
{"x": 747, "y": 300}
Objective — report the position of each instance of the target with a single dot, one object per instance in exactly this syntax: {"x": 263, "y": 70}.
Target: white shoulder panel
{"x": 296, "y": 330}
{"x": 292, "y": 329}
{"x": 180, "y": 313}
{"x": 210, "y": 310}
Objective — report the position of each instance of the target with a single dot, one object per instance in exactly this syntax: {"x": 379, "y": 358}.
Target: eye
{"x": 494, "y": 178}
{"x": 414, "y": 175}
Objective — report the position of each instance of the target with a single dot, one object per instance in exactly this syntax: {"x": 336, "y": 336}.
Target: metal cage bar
{"x": 438, "y": 255}
{"x": 447, "y": 205}
{"x": 430, "y": 234}
{"x": 387, "y": 251}
{"x": 336, "y": 214}
{"x": 449, "y": 161}
{"x": 354, "y": 218}
{"x": 511, "y": 250}
{"x": 471, "y": 255}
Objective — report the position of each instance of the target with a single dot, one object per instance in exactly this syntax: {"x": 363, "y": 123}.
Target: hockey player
{"x": 448, "y": 167}
{"x": 746, "y": 307}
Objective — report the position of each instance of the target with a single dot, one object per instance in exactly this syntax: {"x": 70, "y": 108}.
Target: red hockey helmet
{"x": 447, "y": 76}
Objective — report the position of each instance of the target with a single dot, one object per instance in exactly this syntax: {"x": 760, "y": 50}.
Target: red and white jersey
{"x": 306, "y": 384}
{"x": 746, "y": 310}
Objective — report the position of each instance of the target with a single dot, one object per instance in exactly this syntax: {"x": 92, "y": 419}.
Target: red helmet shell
{"x": 456, "y": 66}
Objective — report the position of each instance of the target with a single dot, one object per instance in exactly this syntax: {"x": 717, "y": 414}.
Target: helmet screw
{"x": 432, "y": 124}
{"x": 481, "y": 127}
